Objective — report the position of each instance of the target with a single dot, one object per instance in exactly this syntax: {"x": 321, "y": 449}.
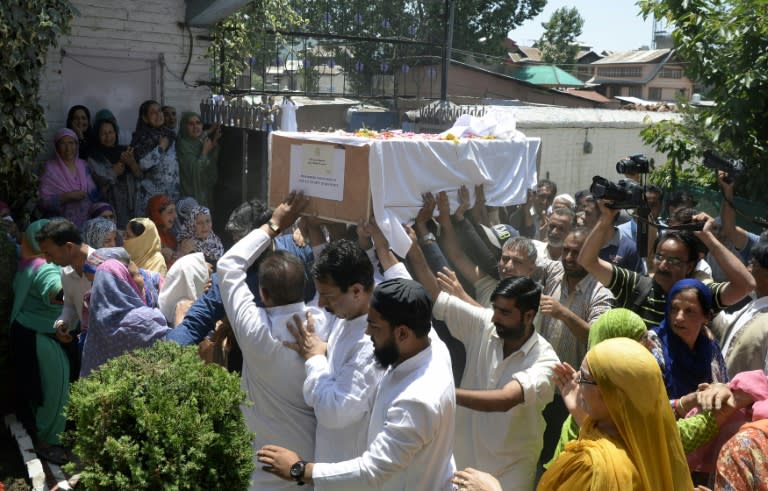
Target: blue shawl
{"x": 685, "y": 369}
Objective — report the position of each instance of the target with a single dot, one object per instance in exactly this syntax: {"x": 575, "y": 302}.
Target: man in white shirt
{"x": 342, "y": 376}
{"x": 743, "y": 335}
{"x": 506, "y": 385}
{"x": 271, "y": 376}
{"x": 62, "y": 244}
{"x": 410, "y": 435}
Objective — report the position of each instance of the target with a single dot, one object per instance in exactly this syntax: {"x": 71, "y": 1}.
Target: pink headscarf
{"x": 56, "y": 180}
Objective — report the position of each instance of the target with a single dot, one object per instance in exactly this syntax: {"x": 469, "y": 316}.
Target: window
{"x": 654, "y": 93}
{"x": 620, "y": 72}
{"x": 635, "y": 92}
{"x": 671, "y": 73}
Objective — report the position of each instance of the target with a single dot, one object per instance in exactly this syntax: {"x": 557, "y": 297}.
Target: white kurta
{"x": 410, "y": 434}
{"x": 505, "y": 444}
{"x": 272, "y": 374}
{"x": 341, "y": 387}
{"x": 288, "y": 117}
{"x": 75, "y": 286}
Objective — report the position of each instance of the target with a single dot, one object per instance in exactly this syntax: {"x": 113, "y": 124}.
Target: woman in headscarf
{"x": 162, "y": 212}
{"x": 119, "y": 321}
{"x": 200, "y": 230}
{"x": 79, "y": 121}
{"x": 66, "y": 187}
{"x": 100, "y": 232}
{"x": 154, "y": 147}
{"x": 114, "y": 169}
{"x": 42, "y": 367}
{"x": 186, "y": 280}
{"x": 616, "y": 323}
{"x": 628, "y": 439}
{"x": 198, "y": 153}
{"x": 143, "y": 244}
{"x": 184, "y": 209}
{"x": 691, "y": 355}
{"x": 94, "y": 260}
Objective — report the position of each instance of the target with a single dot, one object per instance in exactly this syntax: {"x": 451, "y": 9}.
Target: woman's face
{"x": 154, "y": 116}
{"x": 80, "y": 121}
{"x": 202, "y": 226}
{"x": 589, "y": 395}
{"x": 110, "y": 240}
{"x": 109, "y": 215}
{"x": 686, "y": 316}
{"x": 66, "y": 147}
{"x": 168, "y": 217}
{"x": 107, "y": 135}
{"x": 129, "y": 233}
{"x": 194, "y": 127}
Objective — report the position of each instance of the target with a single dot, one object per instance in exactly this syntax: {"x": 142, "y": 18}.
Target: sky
{"x": 614, "y": 25}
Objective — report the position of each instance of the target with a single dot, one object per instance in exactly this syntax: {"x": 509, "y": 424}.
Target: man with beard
{"x": 342, "y": 375}
{"x": 558, "y": 225}
{"x": 572, "y": 300}
{"x": 505, "y": 386}
{"x": 411, "y": 431}
{"x": 675, "y": 257}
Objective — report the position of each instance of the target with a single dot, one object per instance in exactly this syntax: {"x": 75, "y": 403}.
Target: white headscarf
{"x": 185, "y": 281}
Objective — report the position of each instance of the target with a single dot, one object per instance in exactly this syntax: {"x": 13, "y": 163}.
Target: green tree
{"x": 28, "y": 28}
{"x": 558, "y": 43}
{"x": 725, "y": 46}
{"x": 243, "y": 39}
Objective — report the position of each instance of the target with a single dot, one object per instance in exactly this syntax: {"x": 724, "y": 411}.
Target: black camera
{"x": 733, "y": 167}
{"x": 624, "y": 194}
{"x": 634, "y": 164}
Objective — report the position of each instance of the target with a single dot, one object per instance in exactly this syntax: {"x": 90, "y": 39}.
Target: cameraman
{"x": 674, "y": 259}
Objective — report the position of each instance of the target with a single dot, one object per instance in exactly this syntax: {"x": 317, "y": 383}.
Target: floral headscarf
{"x": 210, "y": 246}
{"x": 95, "y": 231}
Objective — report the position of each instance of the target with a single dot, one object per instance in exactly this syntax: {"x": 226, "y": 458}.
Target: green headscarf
{"x": 33, "y": 229}
{"x": 615, "y": 323}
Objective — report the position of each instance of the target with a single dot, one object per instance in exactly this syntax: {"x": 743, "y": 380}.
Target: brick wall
{"x": 562, "y": 154}
{"x": 130, "y": 30}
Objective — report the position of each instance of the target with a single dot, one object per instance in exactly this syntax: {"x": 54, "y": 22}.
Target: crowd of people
{"x": 527, "y": 347}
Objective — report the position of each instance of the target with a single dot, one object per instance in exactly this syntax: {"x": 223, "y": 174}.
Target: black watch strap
{"x": 297, "y": 472}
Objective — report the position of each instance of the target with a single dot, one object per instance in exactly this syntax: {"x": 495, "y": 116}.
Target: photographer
{"x": 674, "y": 259}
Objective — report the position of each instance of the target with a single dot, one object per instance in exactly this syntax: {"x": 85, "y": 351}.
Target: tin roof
{"x": 637, "y": 56}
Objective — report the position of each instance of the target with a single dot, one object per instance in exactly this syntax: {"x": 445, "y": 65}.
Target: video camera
{"x": 634, "y": 164}
{"x": 732, "y": 167}
{"x": 625, "y": 194}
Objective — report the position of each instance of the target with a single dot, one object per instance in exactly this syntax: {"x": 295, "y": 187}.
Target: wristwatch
{"x": 428, "y": 237}
{"x": 297, "y": 472}
{"x": 274, "y": 227}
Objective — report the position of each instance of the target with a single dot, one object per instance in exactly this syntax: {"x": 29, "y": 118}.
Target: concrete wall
{"x": 563, "y": 157}
{"x": 120, "y": 52}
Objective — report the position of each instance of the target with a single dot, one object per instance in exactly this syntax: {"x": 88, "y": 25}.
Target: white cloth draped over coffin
{"x": 402, "y": 169}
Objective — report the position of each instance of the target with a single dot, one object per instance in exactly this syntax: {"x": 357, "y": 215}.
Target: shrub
{"x": 159, "y": 418}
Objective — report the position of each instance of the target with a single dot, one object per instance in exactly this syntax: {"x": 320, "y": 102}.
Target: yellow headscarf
{"x": 145, "y": 249}
{"x": 648, "y": 454}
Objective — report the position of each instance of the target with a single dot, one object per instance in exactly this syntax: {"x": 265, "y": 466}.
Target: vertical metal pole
{"x": 244, "y": 197}
{"x": 447, "y": 46}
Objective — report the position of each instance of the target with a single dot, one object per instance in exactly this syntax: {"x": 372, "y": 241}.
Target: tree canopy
{"x": 480, "y": 26}
{"x": 725, "y": 46}
{"x": 558, "y": 42}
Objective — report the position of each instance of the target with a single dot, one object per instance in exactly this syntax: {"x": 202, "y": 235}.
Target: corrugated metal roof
{"x": 638, "y": 56}
{"x": 567, "y": 117}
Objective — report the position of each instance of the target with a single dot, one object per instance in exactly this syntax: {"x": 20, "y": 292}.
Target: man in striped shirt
{"x": 676, "y": 254}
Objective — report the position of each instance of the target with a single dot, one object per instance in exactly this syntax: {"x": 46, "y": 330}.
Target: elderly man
{"x": 271, "y": 377}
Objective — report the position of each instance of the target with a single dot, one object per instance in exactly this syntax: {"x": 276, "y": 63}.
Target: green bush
{"x": 159, "y": 418}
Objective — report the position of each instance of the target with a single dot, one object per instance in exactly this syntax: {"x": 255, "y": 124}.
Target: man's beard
{"x": 510, "y": 332}
{"x": 387, "y": 355}
{"x": 555, "y": 241}
{"x": 575, "y": 273}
